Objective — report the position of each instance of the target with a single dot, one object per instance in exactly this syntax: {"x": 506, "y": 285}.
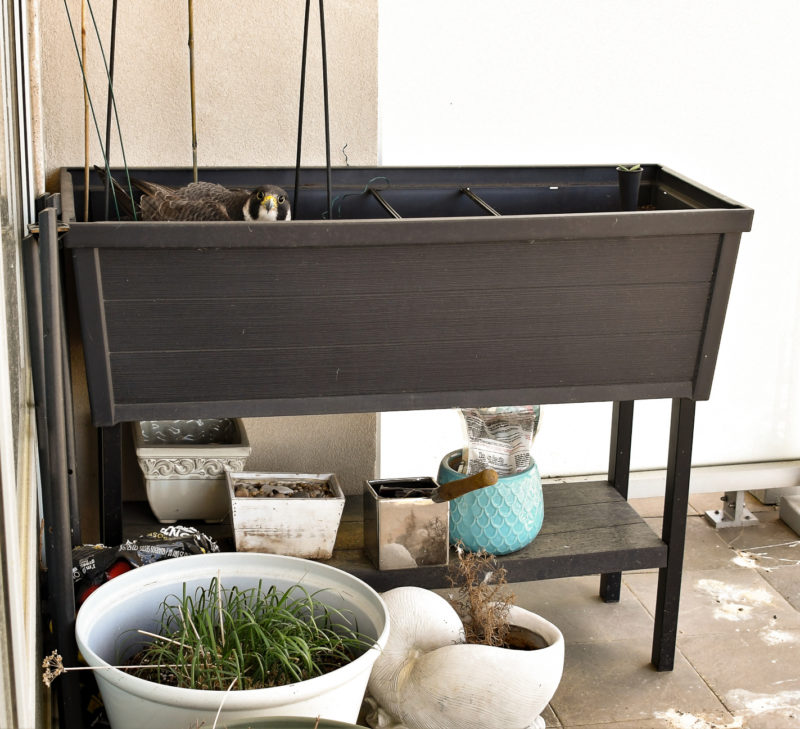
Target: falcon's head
{"x": 267, "y": 203}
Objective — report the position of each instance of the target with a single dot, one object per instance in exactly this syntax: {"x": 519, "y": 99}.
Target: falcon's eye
{"x": 261, "y": 194}
{"x": 281, "y": 200}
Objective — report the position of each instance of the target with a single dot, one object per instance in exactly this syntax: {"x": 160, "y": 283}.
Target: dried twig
{"x": 219, "y": 710}
{"x": 53, "y": 666}
{"x": 483, "y": 599}
{"x": 191, "y": 89}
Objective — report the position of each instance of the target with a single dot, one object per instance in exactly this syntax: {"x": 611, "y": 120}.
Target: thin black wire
{"x": 326, "y": 108}
{"x": 300, "y": 120}
{"x": 325, "y": 98}
{"x": 86, "y": 84}
{"x": 110, "y": 101}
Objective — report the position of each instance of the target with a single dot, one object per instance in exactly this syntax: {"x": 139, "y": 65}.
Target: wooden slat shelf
{"x": 588, "y": 529}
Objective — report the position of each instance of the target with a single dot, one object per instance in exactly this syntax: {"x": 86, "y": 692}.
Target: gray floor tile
{"x": 672, "y": 719}
{"x": 574, "y": 605}
{"x": 719, "y": 602}
{"x": 608, "y": 683}
{"x": 786, "y": 580}
{"x": 704, "y": 549}
{"x": 757, "y": 679}
{"x": 550, "y": 719}
{"x": 654, "y": 506}
{"x": 770, "y": 536}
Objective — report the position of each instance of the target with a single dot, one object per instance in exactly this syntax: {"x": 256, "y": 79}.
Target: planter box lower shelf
{"x": 604, "y": 533}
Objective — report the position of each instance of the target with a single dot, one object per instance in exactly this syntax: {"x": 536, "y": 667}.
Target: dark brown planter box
{"x": 561, "y": 298}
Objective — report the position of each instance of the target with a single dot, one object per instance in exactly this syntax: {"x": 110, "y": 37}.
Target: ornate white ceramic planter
{"x": 428, "y": 678}
{"x": 184, "y": 464}
{"x": 131, "y": 601}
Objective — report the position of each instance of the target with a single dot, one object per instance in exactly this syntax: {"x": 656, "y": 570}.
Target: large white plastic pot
{"x": 131, "y": 601}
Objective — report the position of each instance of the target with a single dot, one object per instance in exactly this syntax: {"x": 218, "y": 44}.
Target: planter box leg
{"x": 110, "y": 443}
{"x": 619, "y": 469}
{"x": 673, "y": 532}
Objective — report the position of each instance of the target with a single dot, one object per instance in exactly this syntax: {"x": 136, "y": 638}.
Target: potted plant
{"x": 135, "y": 602}
{"x": 296, "y": 514}
{"x": 425, "y": 678}
{"x": 629, "y": 178}
{"x": 184, "y": 464}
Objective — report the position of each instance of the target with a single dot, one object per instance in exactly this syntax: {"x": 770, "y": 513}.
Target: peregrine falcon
{"x": 206, "y": 201}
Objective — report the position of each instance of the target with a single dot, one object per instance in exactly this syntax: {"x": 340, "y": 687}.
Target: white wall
{"x": 708, "y": 88}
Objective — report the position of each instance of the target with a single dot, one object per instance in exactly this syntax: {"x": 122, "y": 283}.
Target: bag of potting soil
{"x": 499, "y": 438}
{"x": 94, "y": 564}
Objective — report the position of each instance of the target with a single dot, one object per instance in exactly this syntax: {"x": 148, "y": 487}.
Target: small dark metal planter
{"x": 429, "y": 288}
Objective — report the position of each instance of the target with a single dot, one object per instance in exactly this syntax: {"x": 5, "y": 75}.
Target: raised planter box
{"x": 562, "y": 298}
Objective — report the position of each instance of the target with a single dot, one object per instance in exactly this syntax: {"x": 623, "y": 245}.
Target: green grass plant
{"x": 254, "y": 637}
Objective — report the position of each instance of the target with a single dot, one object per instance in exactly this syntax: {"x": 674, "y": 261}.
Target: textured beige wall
{"x": 247, "y": 77}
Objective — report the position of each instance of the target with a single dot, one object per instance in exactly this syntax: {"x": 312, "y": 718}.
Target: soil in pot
{"x": 282, "y": 489}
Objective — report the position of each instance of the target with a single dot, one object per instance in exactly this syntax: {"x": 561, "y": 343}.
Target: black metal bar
{"x": 55, "y": 495}
{"x": 33, "y": 297}
{"x": 325, "y": 101}
{"x": 69, "y": 428}
{"x": 388, "y": 208}
{"x": 619, "y": 458}
{"x": 480, "y": 202}
{"x": 619, "y": 469}
{"x": 110, "y": 453}
{"x": 296, "y": 201}
{"x": 109, "y": 106}
{"x": 673, "y": 532}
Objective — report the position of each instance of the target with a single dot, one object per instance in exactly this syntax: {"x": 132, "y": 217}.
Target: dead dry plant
{"x": 481, "y": 596}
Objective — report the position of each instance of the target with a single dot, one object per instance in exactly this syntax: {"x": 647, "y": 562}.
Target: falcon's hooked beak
{"x": 269, "y": 202}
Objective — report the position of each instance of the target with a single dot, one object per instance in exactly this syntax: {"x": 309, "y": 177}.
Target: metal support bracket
{"x": 733, "y": 512}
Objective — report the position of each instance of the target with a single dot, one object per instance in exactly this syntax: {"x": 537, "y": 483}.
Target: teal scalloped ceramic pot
{"x": 499, "y": 519}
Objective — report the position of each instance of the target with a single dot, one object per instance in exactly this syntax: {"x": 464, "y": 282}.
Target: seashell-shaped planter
{"x": 184, "y": 464}
{"x": 426, "y": 676}
{"x": 500, "y": 519}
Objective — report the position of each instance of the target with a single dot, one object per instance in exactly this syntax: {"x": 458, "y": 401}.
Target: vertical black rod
{"x": 619, "y": 469}
{"x": 673, "y": 532}
{"x": 110, "y": 452}
{"x": 109, "y": 106}
{"x": 69, "y": 424}
{"x": 33, "y": 296}
{"x": 325, "y": 98}
{"x": 619, "y": 457}
{"x": 55, "y": 496}
{"x": 300, "y": 120}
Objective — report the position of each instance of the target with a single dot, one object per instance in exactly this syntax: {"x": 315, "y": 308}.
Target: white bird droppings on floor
{"x": 779, "y": 637}
{"x": 787, "y": 703}
{"x": 735, "y": 603}
{"x": 685, "y": 720}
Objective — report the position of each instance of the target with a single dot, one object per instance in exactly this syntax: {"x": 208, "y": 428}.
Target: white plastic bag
{"x": 499, "y": 438}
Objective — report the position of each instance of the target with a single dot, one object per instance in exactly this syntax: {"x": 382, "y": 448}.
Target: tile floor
{"x": 738, "y": 658}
